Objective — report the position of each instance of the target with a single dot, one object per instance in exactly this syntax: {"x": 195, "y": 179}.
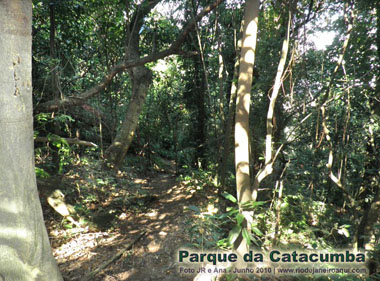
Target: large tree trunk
{"x": 25, "y": 252}
{"x": 141, "y": 79}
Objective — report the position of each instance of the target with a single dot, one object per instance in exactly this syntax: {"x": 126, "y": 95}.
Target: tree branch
{"x": 68, "y": 140}
{"x": 174, "y": 48}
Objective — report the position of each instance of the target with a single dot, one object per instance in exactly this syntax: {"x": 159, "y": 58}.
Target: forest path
{"x": 164, "y": 221}
{"x": 154, "y": 255}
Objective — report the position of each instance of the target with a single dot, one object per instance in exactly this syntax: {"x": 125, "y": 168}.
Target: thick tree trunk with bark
{"x": 141, "y": 79}
{"x": 25, "y": 252}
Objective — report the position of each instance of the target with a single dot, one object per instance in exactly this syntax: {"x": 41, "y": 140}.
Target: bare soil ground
{"x": 162, "y": 222}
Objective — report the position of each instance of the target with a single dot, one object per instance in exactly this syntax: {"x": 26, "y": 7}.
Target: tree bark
{"x": 68, "y": 140}
{"x": 25, "y": 252}
{"x": 228, "y": 128}
{"x": 243, "y": 101}
{"x": 229, "y": 122}
{"x": 141, "y": 79}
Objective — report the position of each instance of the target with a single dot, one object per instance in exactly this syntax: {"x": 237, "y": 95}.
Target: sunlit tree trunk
{"x": 267, "y": 169}
{"x": 243, "y": 101}
{"x": 25, "y": 253}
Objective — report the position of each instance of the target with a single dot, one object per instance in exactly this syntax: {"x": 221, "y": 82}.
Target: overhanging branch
{"x": 174, "y": 48}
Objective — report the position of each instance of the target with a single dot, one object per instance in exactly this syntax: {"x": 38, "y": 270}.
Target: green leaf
{"x": 257, "y": 231}
{"x": 257, "y": 203}
{"x": 63, "y": 141}
{"x": 246, "y": 236}
{"x": 239, "y": 218}
{"x": 228, "y": 214}
{"x": 194, "y": 209}
{"x": 41, "y": 173}
{"x": 234, "y": 234}
{"x": 229, "y": 197}
{"x": 253, "y": 204}
{"x": 346, "y": 225}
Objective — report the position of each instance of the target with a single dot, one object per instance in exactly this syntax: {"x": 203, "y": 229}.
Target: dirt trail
{"x": 153, "y": 256}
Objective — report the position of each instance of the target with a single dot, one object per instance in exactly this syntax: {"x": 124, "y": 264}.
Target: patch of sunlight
{"x": 140, "y": 181}
{"x": 323, "y": 39}
{"x": 123, "y": 216}
{"x": 162, "y": 216}
{"x": 161, "y": 66}
{"x": 211, "y": 209}
{"x": 152, "y": 214}
{"x": 153, "y": 247}
{"x": 163, "y": 233}
{"x": 10, "y": 207}
{"x": 170, "y": 10}
{"x": 13, "y": 232}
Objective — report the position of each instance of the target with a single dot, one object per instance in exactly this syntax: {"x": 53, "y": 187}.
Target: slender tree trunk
{"x": 200, "y": 133}
{"x": 25, "y": 252}
{"x": 376, "y": 102}
{"x": 53, "y": 54}
{"x": 269, "y": 157}
{"x": 328, "y": 95}
{"x": 228, "y": 123}
{"x": 54, "y": 90}
{"x": 228, "y": 128}
{"x": 243, "y": 101}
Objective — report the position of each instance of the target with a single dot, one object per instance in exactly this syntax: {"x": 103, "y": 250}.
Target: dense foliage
{"x": 323, "y": 192}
